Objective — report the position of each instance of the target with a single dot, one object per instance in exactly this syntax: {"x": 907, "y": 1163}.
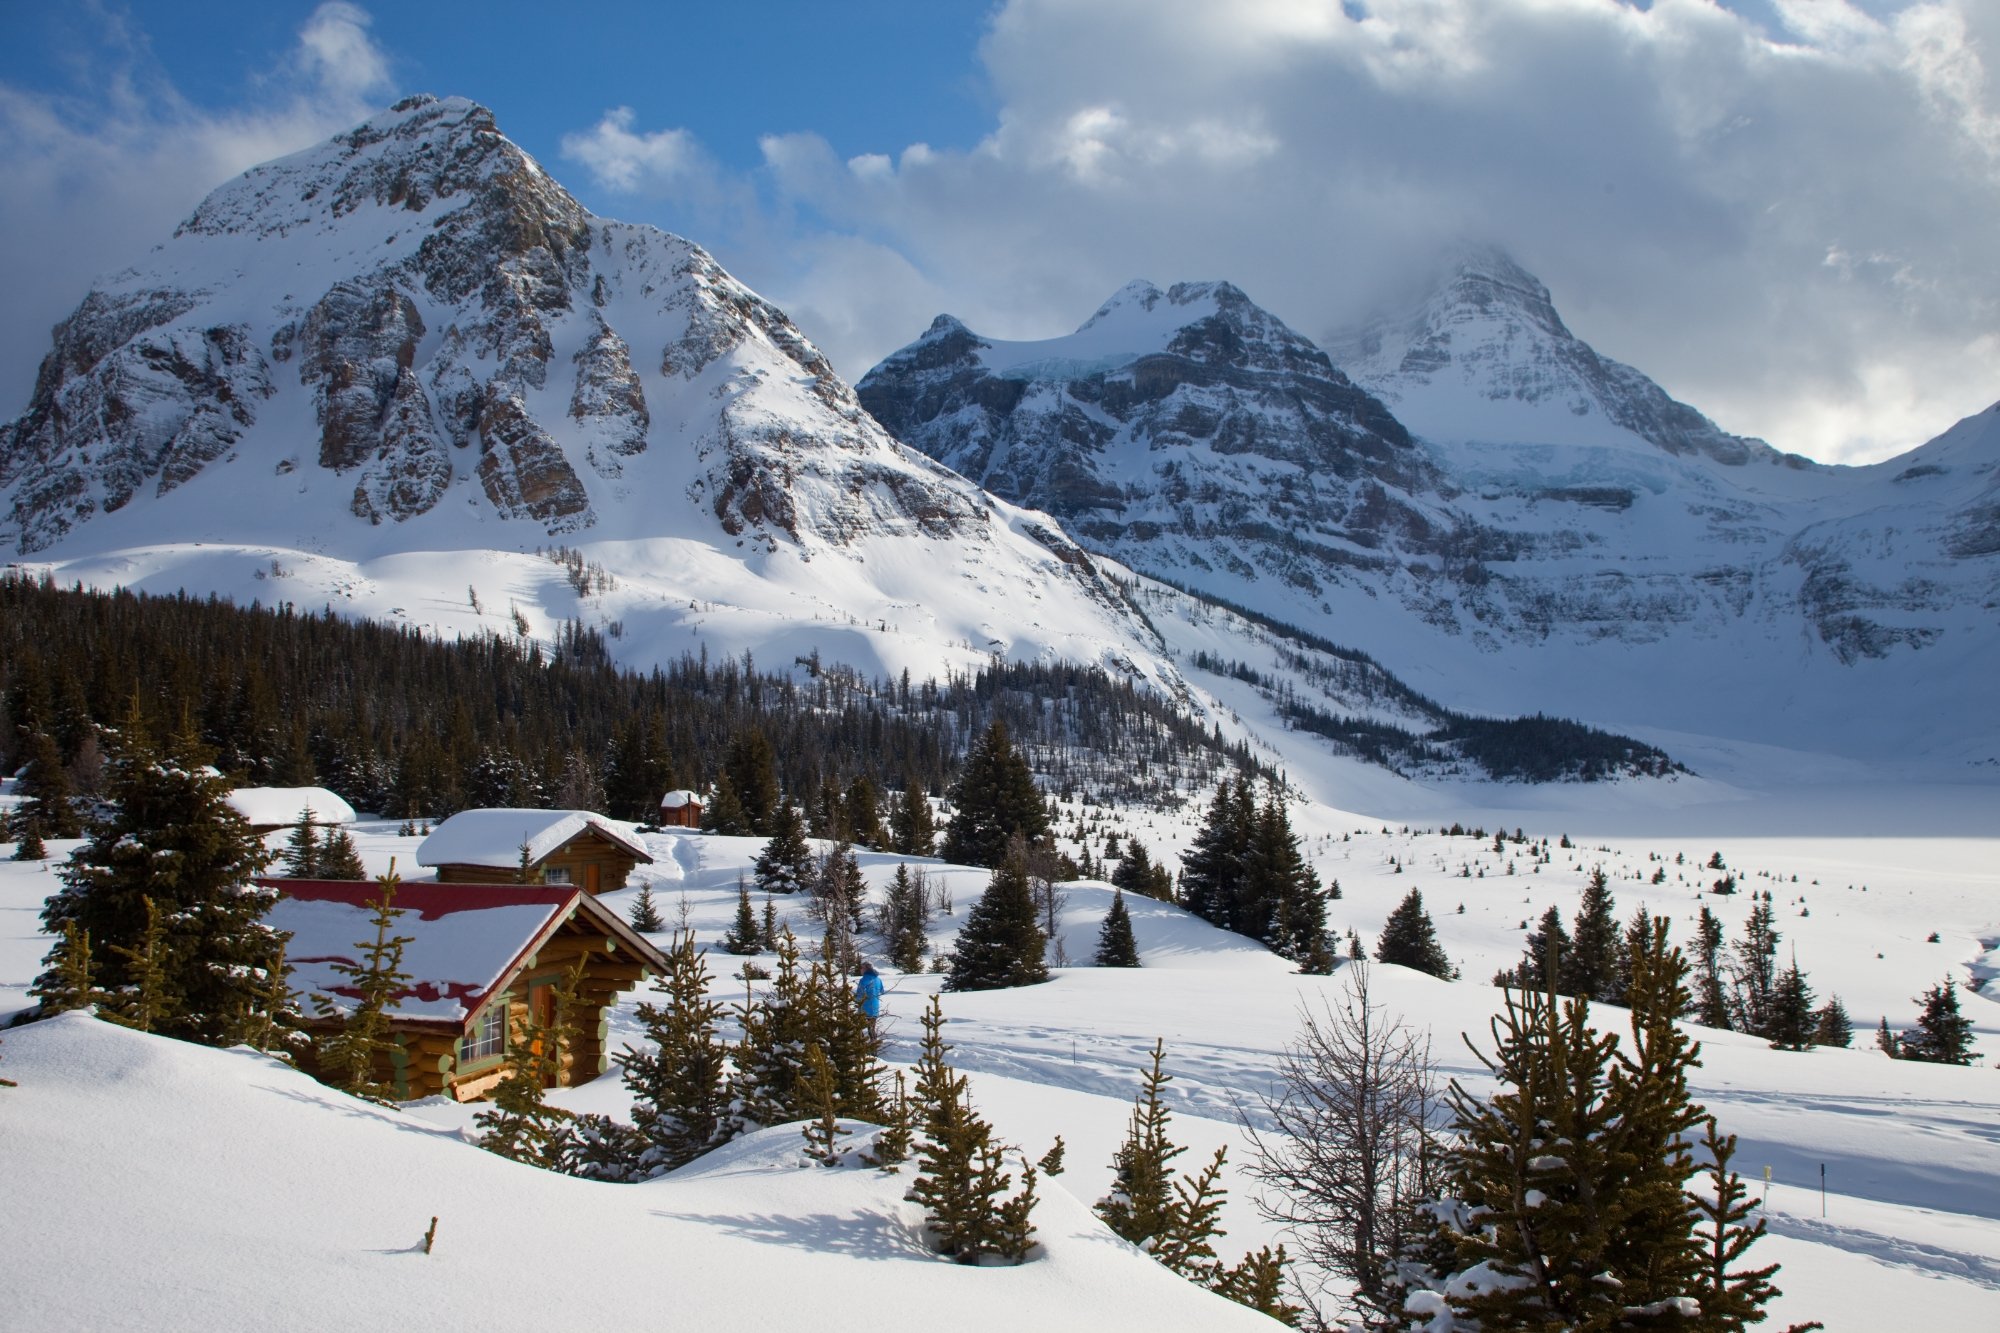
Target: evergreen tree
{"x": 961, "y": 1181}
{"x": 353, "y": 1055}
{"x": 903, "y": 920}
{"x": 678, "y": 1076}
{"x": 172, "y": 836}
{"x": 1115, "y": 945}
{"x": 1002, "y": 942}
{"x": 1410, "y": 940}
{"x": 1831, "y": 1026}
{"x": 752, "y": 769}
{"x": 864, "y": 815}
{"x": 802, "y": 1008}
{"x": 911, "y": 823}
{"x": 1548, "y": 945}
{"x": 822, "y": 1127}
{"x": 743, "y": 937}
{"x": 646, "y": 913}
{"x": 146, "y": 1001}
{"x": 1136, "y": 873}
{"x": 786, "y": 864}
{"x": 520, "y": 1124}
{"x": 1213, "y": 864}
{"x": 338, "y": 859}
{"x": 1281, "y": 895}
{"x": 45, "y": 782}
{"x": 1754, "y": 973}
{"x": 1572, "y": 1208}
{"x": 1731, "y": 1298}
{"x": 31, "y": 847}
{"x": 71, "y": 979}
{"x": 1590, "y": 968}
{"x": 1943, "y": 1036}
{"x": 724, "y": 812}
{"x": 1179, "y": 1221}
{"x": 1711, "y": 999}
{"x": 1792, "y": 1019}
{"x": 301, "y": 855}
{"x": 995, "y": 800}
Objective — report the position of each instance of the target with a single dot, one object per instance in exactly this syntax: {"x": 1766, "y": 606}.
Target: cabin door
{"x": 591, "y": 881}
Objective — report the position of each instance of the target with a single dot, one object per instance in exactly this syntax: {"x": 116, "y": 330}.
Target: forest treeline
{"x": 413, "y": 725}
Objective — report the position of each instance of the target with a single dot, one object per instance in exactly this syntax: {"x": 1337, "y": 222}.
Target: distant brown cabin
{"x": 680, "y": 809}
{"x": 483, "y": 958}
{"x": 563, "y": 846}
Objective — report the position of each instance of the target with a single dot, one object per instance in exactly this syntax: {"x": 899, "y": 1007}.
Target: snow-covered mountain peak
{"x": 1483, "y": 357}
{"x": 411, "y": 338}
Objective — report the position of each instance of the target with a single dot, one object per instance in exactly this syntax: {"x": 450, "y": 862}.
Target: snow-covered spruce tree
{"x": 911, "y": 824}
{"x": 30, "y": 846}
{"x": 1410, "y": 940}
{"x": 1136, "y": 873}
{"x": 724, "y": 812}
{"x": 744, "y": 936}
{"x": 1792, "y": 1019}
{"x": 146, "y": 1001}
{"x": 994, "y": 801}
{"x": 1942, "y": 1036}
{"x": 338, "y": 858}
{"x": 1213, "y": 863}
{"x": 172, "y": 836}
{"x": 1831, "y": 1026}
{"x": 45, "y": 782}
{"x": 301, "y": 855}
{"x": 1244, "y": 872}
{"x": 1353, "y": 1158}
{"x": 903, "y": 920}
{"x": 962, "y": 1181}
{"x": 1570, "y": 1206}
{"x": 1179, "y": 1221}
{"x": 804, "y": 1007}
{"x": 520, "y": 1124}
{"x": 645, "y": 916}
{"x": 679, "y": 1076}
{"x": 1754, "y": 973}
{"x": 1002, "y": 943}
{"x": 1711, "y": 997}
{"x": 1116, "y": 946}
{"x": 353, "y": 1056}
{"x": 786, "y": 864}
{"x": 70, "y": 981}
{"x": 1591, "y": 964}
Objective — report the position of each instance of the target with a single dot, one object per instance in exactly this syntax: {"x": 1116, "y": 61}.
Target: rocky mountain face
{"x": 1187, "y": 431}
{"x": 1492, "y": 508}
{"x": 411, "y": 339}
{"x": 456, "y": 322}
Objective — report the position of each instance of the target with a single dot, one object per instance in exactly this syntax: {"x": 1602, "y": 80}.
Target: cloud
{"x": 113, "y": 166}
{"x": 1785, "y": 216}
{"x": 620, "y": 160}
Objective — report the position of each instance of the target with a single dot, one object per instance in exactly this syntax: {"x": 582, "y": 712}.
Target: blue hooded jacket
{"x": 868, "y": 991}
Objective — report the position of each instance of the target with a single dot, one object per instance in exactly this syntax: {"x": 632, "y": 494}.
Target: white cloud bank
{"x": 112, "y": 171}
{"x": 1786, "y": 217}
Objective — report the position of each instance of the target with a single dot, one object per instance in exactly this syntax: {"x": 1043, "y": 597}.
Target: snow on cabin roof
{"x": 465, "y": 939}
{"x": 281, "y": 805}
{"x": 679, "y": 797}
{"x": 494, "y": 837}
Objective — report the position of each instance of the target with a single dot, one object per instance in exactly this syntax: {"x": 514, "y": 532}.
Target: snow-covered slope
{"x": 380, "y": 371}
{"x": 1536, "y": 528}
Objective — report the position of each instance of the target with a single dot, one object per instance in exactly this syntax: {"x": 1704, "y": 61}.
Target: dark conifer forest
{"x": 412, "y": 725}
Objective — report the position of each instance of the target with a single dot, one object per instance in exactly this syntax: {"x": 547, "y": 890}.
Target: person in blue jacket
{"x": 868, "y": 991}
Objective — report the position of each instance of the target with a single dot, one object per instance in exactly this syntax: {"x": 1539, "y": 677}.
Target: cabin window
{"x": 488, "y": 1039}
{"x": 556, "y": 875}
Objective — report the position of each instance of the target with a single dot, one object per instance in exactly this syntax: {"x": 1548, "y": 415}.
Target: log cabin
{"x": 483, "y": 959}
{"x": 563, "y": 847}
{"x": 680, "y": 808}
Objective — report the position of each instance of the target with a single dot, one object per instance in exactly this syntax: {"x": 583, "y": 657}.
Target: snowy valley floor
{"x": 155, "y": 1185}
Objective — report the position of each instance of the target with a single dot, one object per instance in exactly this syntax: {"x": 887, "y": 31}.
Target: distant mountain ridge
{"x": 1495, "y": 510}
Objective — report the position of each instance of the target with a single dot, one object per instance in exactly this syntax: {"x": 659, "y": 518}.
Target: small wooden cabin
{"x": 269, "y": 809}
{"x": 483, "y": 959}
{"x": 564, "y": 846}
{"x": 680, "y": 808}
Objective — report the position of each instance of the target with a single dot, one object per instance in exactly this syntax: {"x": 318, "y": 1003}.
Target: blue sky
{"x": 1780, "y": 209}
